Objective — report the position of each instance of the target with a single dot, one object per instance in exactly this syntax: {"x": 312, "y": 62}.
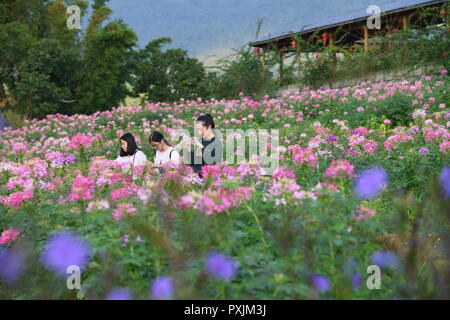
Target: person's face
{"x": 156, "y": 145}
{"x": 201, "y": 129}
{"x": 124, "y": 145}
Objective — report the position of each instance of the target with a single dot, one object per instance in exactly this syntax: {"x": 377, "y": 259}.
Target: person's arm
{"x": 175, "y": 157}
{"x": 156, "y": 161}
{"x": 140, "y": 159}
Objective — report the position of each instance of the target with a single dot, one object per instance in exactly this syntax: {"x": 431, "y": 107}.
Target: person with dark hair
{"x": 164, "y": 151}
{"x": 130, "y": 153}
{"x": 207, "y": 150}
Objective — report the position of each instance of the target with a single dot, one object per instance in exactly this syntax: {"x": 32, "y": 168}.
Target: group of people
{"x": 207, "y": 150}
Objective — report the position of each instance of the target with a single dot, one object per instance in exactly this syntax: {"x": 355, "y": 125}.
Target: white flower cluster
{"x": 419, "y": 113}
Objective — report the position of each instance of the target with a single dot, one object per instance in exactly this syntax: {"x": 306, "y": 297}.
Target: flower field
{"x": 363, "y": 179}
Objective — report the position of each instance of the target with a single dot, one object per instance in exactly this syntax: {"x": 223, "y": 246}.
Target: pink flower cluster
{"x": 431, "y": 134}
{"x": 80, "y": 140}
{"x": 363, "y": 213}
{"x": 221, "y": 199}
{"x": 123, "y": 209}
{"x": 15, "y": 199}
{"x": 82, "y": 189}
{"x": 399, "y": 137}
{"x": 19, "y": 147}
{"x": 303, "y": 155}
{"x": 444, "y": 147}
{"x": 185, "y": 202}
{"x": 340, "y": 169}
{"x": 8, "y": 236}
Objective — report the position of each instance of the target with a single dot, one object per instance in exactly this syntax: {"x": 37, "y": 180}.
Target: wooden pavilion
{"x": 350, "y": 28}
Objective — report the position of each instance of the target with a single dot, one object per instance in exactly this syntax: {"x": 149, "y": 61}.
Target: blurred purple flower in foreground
{"x": 63, "y": 250}
{"x": 350, "y": 271}
{"x": 384, "y": 259}
{"x": 119, "y": 294}
{"x": 220, "y": 266}
{"x": 11, "y": 264}
{"x": 444, "y": 179}
{"x": 320, "y": 282}
{"x": 162, "y": 288}
{"x": 356, "y": 280}
{"x": 370, "y": 183}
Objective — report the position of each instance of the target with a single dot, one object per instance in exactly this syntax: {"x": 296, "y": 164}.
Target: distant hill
{"x": 206, "y": 27}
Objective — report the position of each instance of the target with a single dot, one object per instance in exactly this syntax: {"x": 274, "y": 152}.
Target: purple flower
{"x": 119, "y": 294}
{"x": 331, "y": 138}
{"x": 70, "y": 158}
{"x": 351, "y": 273}
{"x": 356, "y": 280}
{"x": 444, "y": 180}
{"x": 384, "y": 259}
{"x": 320, "y": 282}
{"x": 11, "y": 264}
{"x": 414, "y": 130}
{"x": 162, "y": 288}
{"x": 424, "y": 151}
{"x": 63, "y": 250}
{"x": 220, "y": 266}
{"x": 351, "y": 151}
{"x": 370, "y": 183}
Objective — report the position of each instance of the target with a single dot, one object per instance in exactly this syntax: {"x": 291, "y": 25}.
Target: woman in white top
{"x": 164, "y": 152}
{"x": 130, "y": 153}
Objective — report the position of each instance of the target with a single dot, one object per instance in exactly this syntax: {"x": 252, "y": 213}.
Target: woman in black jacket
{"x": 207, "y": 150}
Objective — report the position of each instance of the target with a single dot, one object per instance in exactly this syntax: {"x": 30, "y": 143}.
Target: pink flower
{"x": 120, "y": 193}
{"x": 363, "y": 213}
{"x": 80, "y": 140}
{"x": 15, "y": 200}
{"x": 82, "y": 189}
{"x": 19, "y": 147}
{"x": 444, "y": 147}
{"x": 123, "y": 209}
{"x": 221, "y": 199}
{"x": 185, "y": 202}
{"x": 303, "y": 155}
{"x": 211, "y": 171}
{"x": 371, "y": 146}
{"x": 340, "y": 168}
{"x": 444, "y": 71}
{"x": 9, "y": 235}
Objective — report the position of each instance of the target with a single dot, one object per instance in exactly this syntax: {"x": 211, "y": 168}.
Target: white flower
{"x": 419, "y": 113}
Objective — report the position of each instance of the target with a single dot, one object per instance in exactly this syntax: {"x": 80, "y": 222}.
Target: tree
{"x": 167, "y": 75}
{"x": 106, "y": 67}
{"x": 47, "y": 68}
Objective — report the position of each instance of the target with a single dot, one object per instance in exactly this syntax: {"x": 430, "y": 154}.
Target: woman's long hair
{"x": 157, "y": 136}
{"x": 132, "y": 147}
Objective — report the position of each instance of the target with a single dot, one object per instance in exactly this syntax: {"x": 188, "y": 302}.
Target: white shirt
{"x": 138, "y": 159}
{"x": 163, "y": 157}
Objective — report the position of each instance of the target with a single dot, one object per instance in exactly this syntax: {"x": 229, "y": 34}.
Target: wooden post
{"x": 264, "y": 57}
{"x": 299, "y": 61}
{"x": 333, "y": 54}
{"x": 281, "y": 67}
{"x": 405, "y": 22}
{"x": 366, "y": 38}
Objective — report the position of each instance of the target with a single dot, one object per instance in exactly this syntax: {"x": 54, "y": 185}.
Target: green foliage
{"x": 242, "y": 72}
{"x": 169, "y": 75}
